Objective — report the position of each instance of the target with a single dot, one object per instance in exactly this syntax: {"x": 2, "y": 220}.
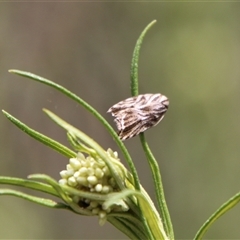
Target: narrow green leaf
{"x": 131, "y": 222}
{"x": 120, "y": 225}
{"x": 42, "y": 201}
{"x": 130, "y": 217}
{"x": 135, "y": 228}
{"x": 152, "y": 217}
{"x": 43, "y": 187}
{"x": 232, "y": 202}
{"x": 40, "y": 137}
{"x": 135, "y": 60}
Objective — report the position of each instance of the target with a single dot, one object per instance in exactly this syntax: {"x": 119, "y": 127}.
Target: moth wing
{"x": 151, "y": 118}
{"x": 124, "y": 117}
{"x": 129, "y": 123}
{"x": 136, "y": 114}
{"x": 137, "y": 122}
{"x": 117, "y": 108}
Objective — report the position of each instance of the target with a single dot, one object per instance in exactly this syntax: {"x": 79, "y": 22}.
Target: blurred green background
{"x": 192, "y": 55}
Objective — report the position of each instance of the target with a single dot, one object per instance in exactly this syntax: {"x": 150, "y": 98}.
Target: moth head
{"x": 164, "y": 101}
{"x": 159, "y": 105}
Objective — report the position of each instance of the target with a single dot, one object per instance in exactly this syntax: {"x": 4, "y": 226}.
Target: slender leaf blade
{"x": 232, "y": 202}
{"x": 42, "y": 201}
{"x": 40, "y": 137}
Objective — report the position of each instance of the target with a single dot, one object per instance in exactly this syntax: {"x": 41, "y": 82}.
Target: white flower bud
{"x": 99, "y": 173}
{"x": 115, "y": 154}
{"x": 63, "y": 181}
{"x": 98, "y": 187}
{"x": 82, "y": 181}
{"x": 106, "y": 171}
{"x": 64, "y": 174}
{"x": 92, "y": 180}
{"x": 83, "y": 163}
{"x": 105, "y": 189}
{"x": 70, "y": 172}
{"x": 90, "y": 171}
{"x": 83, "y": 171}
{"x": 75, "y": 164}
{"x": 72, "y": 182}
{"x": 69, "y": 167}
{"x": 94, "y": 165}
{"x": 76, "y": 174}
{"x": 80, "y": 156}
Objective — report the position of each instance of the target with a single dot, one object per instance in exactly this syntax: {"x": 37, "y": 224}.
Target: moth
{"x": 137, "y": 114}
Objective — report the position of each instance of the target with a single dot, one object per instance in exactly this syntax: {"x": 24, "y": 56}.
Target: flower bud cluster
{"x": 92, "y": 175}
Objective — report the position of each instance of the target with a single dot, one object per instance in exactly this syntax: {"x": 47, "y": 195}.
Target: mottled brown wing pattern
{"x": 137, "y": 114}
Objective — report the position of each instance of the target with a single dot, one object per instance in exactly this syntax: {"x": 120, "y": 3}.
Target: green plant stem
{"x": 158, "y": 188}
